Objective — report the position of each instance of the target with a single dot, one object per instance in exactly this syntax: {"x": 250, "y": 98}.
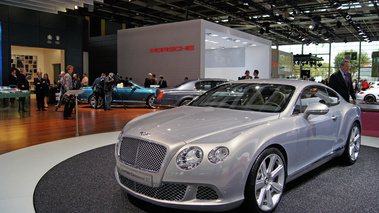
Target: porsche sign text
{"x": 172, "y": 49}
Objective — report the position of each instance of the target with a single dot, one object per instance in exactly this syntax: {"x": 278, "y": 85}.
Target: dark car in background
{"x": 183, "y": 93}
{"x": 131, "y": 94}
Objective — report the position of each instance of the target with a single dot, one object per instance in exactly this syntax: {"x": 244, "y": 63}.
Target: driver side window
{"x": 310, "y": 95}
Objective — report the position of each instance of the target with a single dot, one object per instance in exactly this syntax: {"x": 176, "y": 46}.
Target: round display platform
{"x": 86, "y": 183}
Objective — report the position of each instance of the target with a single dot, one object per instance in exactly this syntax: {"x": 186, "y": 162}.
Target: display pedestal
{"x": 76, "y": 93}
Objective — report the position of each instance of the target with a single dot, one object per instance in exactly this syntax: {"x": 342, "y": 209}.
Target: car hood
{"x": 187, "y": 124}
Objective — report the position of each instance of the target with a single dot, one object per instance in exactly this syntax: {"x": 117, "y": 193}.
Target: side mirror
{"x": 316, "y": 109}
{"x": 134, "y": 87}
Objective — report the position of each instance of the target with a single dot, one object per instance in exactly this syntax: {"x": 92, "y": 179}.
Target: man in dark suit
{"x": 341, "y": 82}
{"x": 162, "y": 83}
{"x": 40, "y": 84}
{"x": 76, "y": 82}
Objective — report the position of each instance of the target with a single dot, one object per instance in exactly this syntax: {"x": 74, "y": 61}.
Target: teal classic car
{"x": 131, "y": 94}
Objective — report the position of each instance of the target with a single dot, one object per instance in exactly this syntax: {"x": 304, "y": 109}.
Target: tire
{"x": 370, "y": 99}
{"x": 266, "y": 181}
{"x": 185, "y": 102}
{"x": 353, "y": 145}
{"x": 150, "y": 101}
{"x": 92, "y": 102}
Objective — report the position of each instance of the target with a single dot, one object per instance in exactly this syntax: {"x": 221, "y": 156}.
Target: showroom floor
{"x": 26, "y": 156}
{"x": 22, "y": 169}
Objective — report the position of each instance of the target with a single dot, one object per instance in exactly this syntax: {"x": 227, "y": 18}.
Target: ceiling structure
{"x": 281, "y": 21}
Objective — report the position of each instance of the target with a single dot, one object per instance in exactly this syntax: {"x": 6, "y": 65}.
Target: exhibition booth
{"x": 193, "y": 49}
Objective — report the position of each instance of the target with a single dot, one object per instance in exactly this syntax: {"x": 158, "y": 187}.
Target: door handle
{"x": 334, "y": 117}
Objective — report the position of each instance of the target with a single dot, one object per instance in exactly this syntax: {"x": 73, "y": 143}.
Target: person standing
{"x": 98, "y": 89}
{"x": 13, "y": 78}
{"x": 61, "y": 92}
{"x": 40, "y": 85}
{"x": 46, "y": 89}
{"x": 247, "y": 75}
{"x": 76, "y": 82}
{"x": 341, "y": 82}
{"x": 23, "y": 84}
{"x": 365, "y": 85}
{"x": 149, "y": 81}
{"x": 108, "y": 90}
{"x": 84, "y": 82}
{"x": 67, "y": 85}
{"x": 162, "y": 83}
{"x": 256, "y": 73}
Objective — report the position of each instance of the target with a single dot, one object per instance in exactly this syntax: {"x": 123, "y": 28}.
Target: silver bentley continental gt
{"x": 237, "y": 144}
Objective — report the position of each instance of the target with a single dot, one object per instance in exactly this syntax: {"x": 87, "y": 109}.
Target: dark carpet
{"x": 86, "y": 183}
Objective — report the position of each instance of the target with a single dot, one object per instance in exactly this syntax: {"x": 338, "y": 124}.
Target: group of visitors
{"x": 102, "y": 89}
{"x": 17, "y": 79}
{"x": 248, "y": 76}
{"x": 151, "y": 80}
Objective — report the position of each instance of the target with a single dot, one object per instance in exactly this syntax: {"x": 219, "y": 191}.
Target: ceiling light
{"x": 214, "y": 35}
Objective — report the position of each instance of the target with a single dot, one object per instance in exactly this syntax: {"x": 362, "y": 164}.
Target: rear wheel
{"x": 150, "y": 101}
{"x": 94, "y": 104}
{"x": 353, "y": 145}
{"x": 370, "y": 99}
{"x": 265, "y": 184}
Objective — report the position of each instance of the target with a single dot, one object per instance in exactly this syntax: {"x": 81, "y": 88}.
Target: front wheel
{"x": 185, "y": 102}
{"x": 353, "y": 145}
{"x": 265, "y": 184}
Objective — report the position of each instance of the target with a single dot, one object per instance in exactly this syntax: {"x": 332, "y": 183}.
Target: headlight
{"x": 218, "y": 154}
{"x": 189, "y": 158}
{"x": 118, "y": 143}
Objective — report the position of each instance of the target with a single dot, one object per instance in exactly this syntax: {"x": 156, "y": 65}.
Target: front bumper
{"x": 178, "y": 195}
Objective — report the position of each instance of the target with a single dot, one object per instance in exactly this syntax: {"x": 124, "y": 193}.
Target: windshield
{"x": 247, "y": 96}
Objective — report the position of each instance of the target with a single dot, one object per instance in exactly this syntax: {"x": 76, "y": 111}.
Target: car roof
{"x": 293, "y": 82}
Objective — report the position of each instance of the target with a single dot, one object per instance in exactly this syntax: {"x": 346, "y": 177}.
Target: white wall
{"x": 136, "y": 60}
{"x": 45, "y": 58}
{"x": 255, "y": 58}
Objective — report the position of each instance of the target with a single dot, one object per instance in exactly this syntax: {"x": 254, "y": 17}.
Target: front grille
{"x": 168, "y": 191}
{"x": 206, "y": 193}
{"x": 141, "y": 154}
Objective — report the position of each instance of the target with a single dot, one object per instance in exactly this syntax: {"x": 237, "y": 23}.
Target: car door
{"x": 318, "y": 133}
